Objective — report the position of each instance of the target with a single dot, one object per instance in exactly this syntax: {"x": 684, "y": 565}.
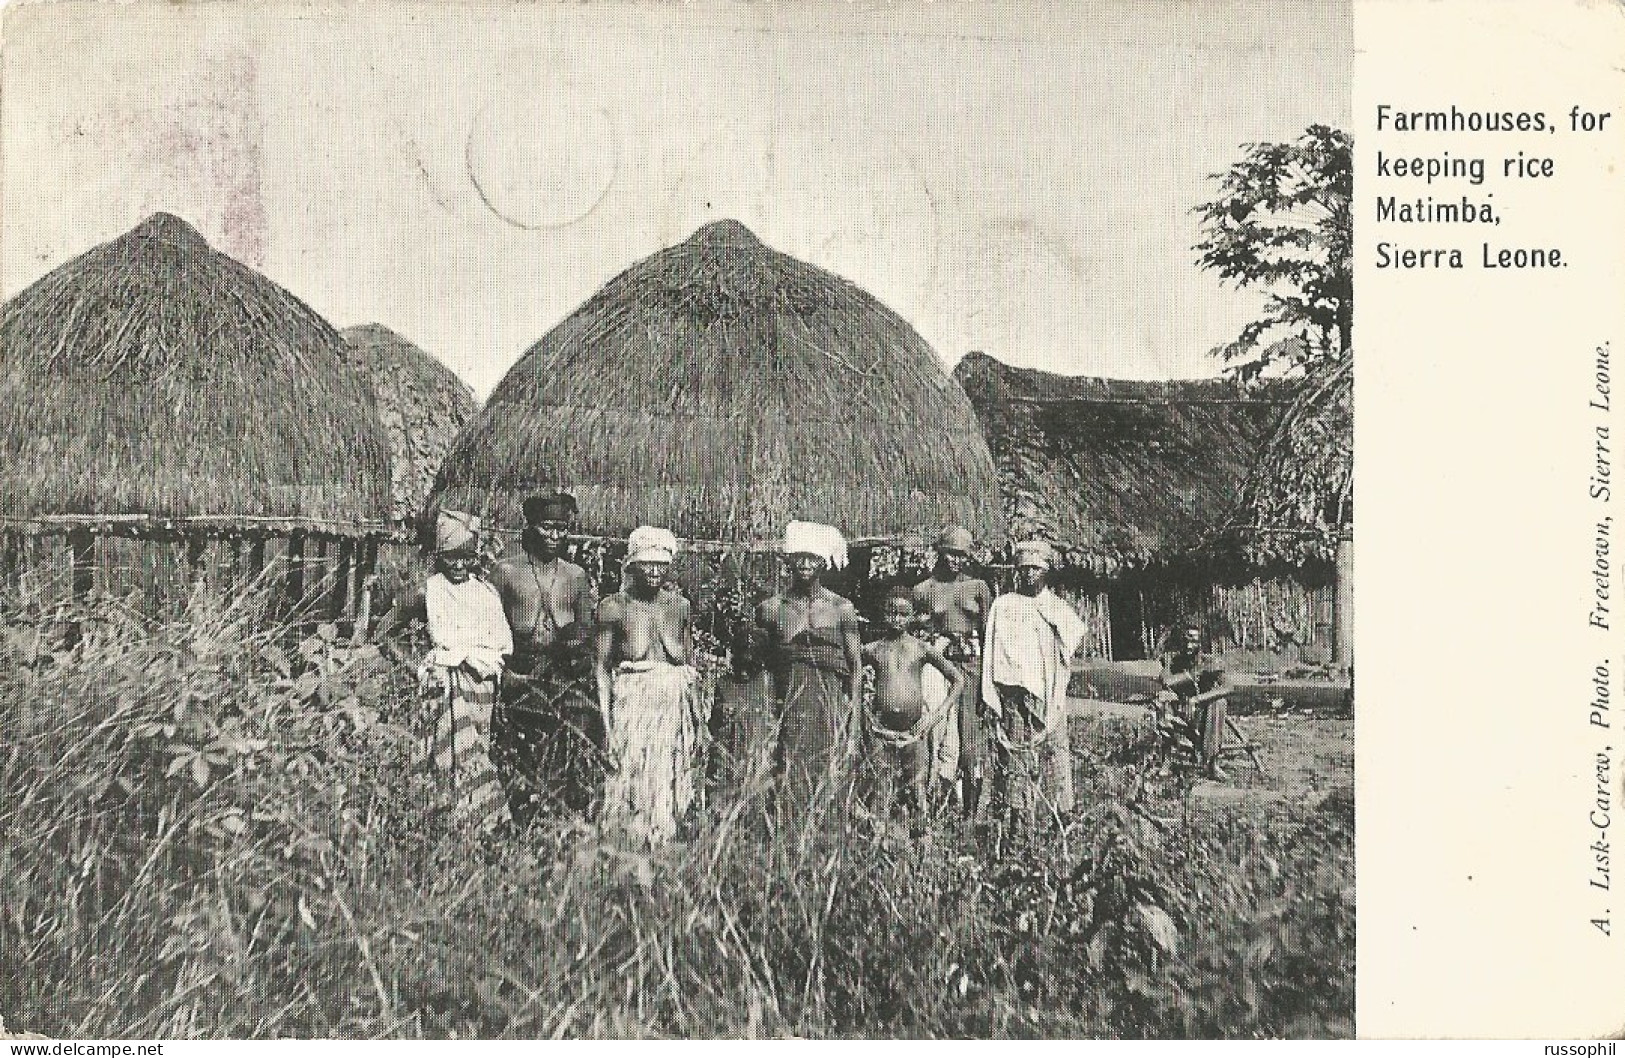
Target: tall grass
{"x": 209, "y": 829}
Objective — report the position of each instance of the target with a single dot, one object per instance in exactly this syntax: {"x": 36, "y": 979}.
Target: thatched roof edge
{"x": 154, "y": 377}
{"x": 1121, "y": 474}
{"x": 1298, "y": 501}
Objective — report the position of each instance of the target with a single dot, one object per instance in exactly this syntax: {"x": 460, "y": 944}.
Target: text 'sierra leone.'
{"x": 1467, "y": 188}
{"x": 1445, "y": 197}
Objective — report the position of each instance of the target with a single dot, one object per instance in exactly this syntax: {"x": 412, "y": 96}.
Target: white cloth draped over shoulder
{"x": 471, "y": 638}
{"x": 467, "y": 625}
{"x": 1029, "y": 643}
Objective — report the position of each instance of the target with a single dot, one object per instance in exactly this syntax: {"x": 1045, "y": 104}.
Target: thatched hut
{"x": 1298, "y": 505}
{"x": 422, "y": 404}
{"x": 1299, "y": 499}
{"x": 1137, "y": 482}
{"x": 157, "y": 389}
{"x": 722, "y": 388}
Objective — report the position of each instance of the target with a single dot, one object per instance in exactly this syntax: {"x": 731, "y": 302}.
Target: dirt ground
{"x": 1303, "y": 757}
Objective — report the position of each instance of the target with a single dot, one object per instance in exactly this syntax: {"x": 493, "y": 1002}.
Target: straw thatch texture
{"x": 721, "y": 388}
{"x": 421, "y": 403}
{"x": 1300, "y": 498}
{"x": 154, "y": 377}
{"x": 1119, "y": 473}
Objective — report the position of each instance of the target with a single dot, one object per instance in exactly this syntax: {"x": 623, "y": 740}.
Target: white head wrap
{"x": 456, "y": 531}
{"x": 650, "y": 544}
{"x": 814, "y": 538}
{"x": 1035, "y": 553}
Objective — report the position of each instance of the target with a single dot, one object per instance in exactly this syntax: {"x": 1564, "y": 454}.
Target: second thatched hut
{"x": 422, "y": 405}
{"x": 1141, "y": 483}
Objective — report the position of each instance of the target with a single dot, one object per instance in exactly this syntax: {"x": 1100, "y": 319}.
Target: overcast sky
{"x": 1010, "y": 177}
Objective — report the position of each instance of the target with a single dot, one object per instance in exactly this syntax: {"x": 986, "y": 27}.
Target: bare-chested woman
{"x": 955, "y": 605}
{"x": 818, "y": 653}
{"x": 646, "y": 693}
{"x": 549, "y": 737}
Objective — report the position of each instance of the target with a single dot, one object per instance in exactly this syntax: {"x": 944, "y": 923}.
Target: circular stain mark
{"x": 855, "y": 205}
{"x": 540, "y": 156}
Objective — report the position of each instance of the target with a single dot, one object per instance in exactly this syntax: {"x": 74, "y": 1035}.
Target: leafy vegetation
{"x": 1282, "y": 222}
{"x": 209, "y": 830}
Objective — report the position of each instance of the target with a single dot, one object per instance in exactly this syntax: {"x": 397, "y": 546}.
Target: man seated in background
{"x": 550, "y": 738}
{"x": 1191, "y": 704}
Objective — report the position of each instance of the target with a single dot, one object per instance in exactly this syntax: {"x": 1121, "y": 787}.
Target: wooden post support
{"x": 197, "y": 562}
{"x": 1147, "y": 640}
{"x": 338, "y": 598}
{"x": 296, "y": 571}
{"x": 256, "y": 557}
{"x": 1343, "y": 603}
{"x": 83, "y": 545}
{"x": 318, "y": 586}
{"x": 364, "y": 573}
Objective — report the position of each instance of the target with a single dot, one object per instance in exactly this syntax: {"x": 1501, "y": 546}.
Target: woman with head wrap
{"x": 471, "y": 641}
{"x": 646, "y": 690}
{"x": 819, "y": 677}
{"x": 1026, "y": 666}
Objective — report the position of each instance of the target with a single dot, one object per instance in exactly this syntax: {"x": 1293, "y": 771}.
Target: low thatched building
{"x": 722, "y": 388}
{"x": 1138, "y": 483}
{"x": 1299, "y": 500}
{"x": 1298, "y": 506}
{"x": 422, "y": 404}
{"x": 157, "y": 389}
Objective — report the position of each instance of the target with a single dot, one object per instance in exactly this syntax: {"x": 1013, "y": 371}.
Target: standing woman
{"x": 1026, "y": 665}
{"x": 955, "y": 605}
{"x": 550, "y": 736}
{"x": 646, "y": 690}
{"x": 471, "y": 642}
{"x": 819, "y": 663}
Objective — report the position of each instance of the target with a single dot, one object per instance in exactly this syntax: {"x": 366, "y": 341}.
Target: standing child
{"x": 900, "y": 721}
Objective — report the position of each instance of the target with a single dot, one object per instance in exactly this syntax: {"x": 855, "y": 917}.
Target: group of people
{"x": 545, "y": 694}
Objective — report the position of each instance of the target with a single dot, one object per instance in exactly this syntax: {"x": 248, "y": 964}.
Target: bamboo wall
{"x": 1238, "y": 618}
{"x": 1251, "y": 608}
{"x": 316, "y": 577}
{"x": 306, "y": 575}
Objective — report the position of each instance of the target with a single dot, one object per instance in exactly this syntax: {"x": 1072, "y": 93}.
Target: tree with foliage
{"x": 1283, "y": 223}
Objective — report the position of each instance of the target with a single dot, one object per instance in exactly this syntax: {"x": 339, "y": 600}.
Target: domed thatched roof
{"x": 153, "y": 377}
{"x": 721, "y": 389}
{"x": 423, "y": 406}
